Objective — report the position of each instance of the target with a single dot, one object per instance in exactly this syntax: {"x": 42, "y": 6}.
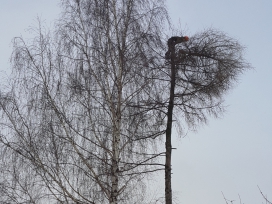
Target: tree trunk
{"x": 168, "y": 145}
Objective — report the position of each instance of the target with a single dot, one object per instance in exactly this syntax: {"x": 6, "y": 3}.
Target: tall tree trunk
{"x": 168, "y": 145}
{"x": 117, "y": 115}
{"x": 115, "y": 159}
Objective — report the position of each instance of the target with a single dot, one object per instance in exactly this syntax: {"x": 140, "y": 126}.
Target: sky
{"x": 230, "y": 155}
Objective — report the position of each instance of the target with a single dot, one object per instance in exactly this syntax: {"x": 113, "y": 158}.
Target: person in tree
{"x": 172, "y": 42}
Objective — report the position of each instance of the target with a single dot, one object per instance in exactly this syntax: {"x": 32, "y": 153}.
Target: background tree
{"x": 81, "y": 116}
{"x": 232, "y": 201}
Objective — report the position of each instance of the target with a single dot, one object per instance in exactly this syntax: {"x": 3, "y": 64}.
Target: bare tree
{"x": 81, "y": 115}
{"x": 201, "y": 71}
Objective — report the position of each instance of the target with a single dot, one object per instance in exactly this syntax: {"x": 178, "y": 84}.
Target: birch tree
{"x": 81, "y": 114}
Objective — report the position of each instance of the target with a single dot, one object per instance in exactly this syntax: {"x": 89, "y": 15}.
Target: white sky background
{"x": 232, "y": 154}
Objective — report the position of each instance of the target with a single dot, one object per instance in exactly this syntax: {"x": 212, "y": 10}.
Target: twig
{"x": 267, "y": 201}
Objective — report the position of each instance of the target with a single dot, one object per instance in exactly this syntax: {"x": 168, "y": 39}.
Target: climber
{"x": 172, "y": 42}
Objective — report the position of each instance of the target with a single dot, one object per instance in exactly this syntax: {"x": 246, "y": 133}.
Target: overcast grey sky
{"x": 232, "y": 154}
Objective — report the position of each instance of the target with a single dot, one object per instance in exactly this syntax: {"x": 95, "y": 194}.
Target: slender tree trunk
{"x": 168, "y": 145}
{"x": 117, "y": 115}
{"x": 115, "y": 160}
